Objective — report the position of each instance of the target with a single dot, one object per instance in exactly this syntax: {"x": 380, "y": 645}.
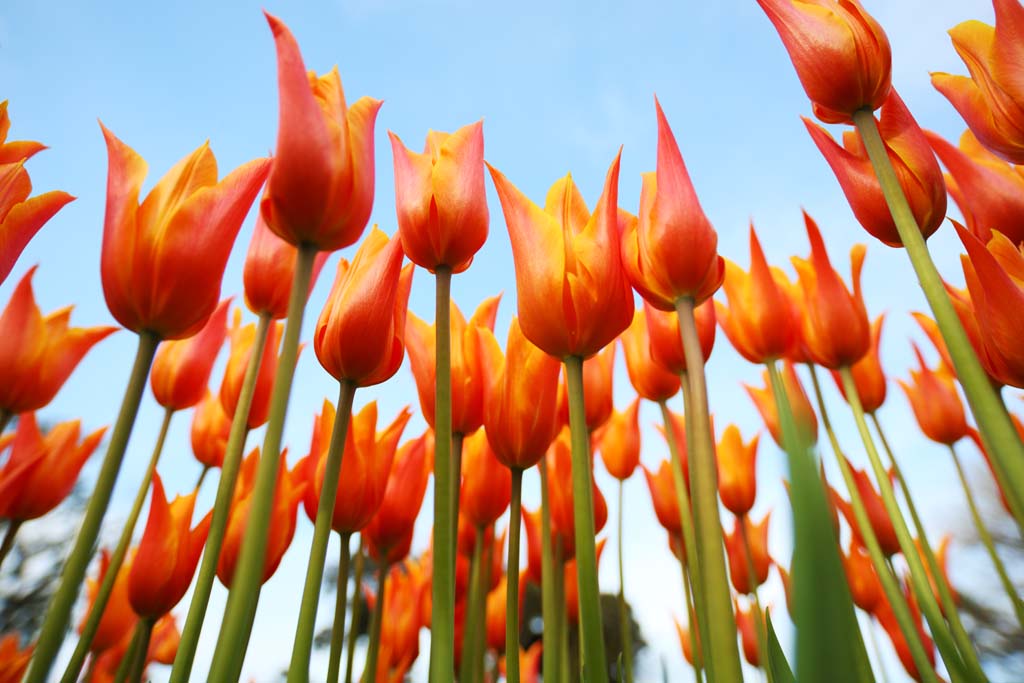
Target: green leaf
{"x": 781, "y": 671}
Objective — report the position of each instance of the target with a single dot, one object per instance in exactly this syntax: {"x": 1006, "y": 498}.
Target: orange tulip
{"x": 181, "y": 368}
{"x": 163, "y": 646}
{"x": 468, "y": 378}
{"x": 565, "y": 255}
{"x": 520, "y": 397}
{"x": 403, "y": 496}
{"x": 867, "y": 373}
{"x": 670, "y": 215}
{"x": 835, "y": 329}
{"x": 269, "y": 270}
{"x": 619, "y": 442}
{"x": 289, "y": 490}
{"x": 941, "y": 559}
{"x": 737, "y": 471}
{"x": 865, "y": 586}
{"x": 991, "y": 361}
{"x": 534, "y": 540}
{"x": 560, "y": 495}
{"x": 995, "y": 279}
{"x": 359, "y": 334}
{"x": 21, "y": 216}
{"x": 118, "y": 619}
{"x": 931, "y": 330}
{"x": 440, "y": 198}
{"x": 803, "y": 413}
{"x": 598, "y": 373}
{"x": 887, "y": 619}
{"x": 400, "y": 625}
{"x": 991, "y": 101}
{"x": 320, "y": 191}
{"x": 976, "y": 438}
{"x": 38, "y": 353}
{"x": 242, "y": 339}
{"x": 163, "y": 259}
{"x": 15, "y": 150}
{"x": 40, "y": 470}
{"x": 14, "y": 659}
{"x": 211, "y": 428}
{"x": 495, "y": 620}
{"x": 757, "y": 534}
{"x": 167, "y": 555}
{"x": 663, "y": 496}
{"x": 758, "y": 320}
{"x": 916, "y": 169}
{"x": 571, "y": 585}
{"x": 667, "y": 345}
{"x": 936, "y": 403}
{"x": 989, "y": 191}
{"x": 881, "y": 523}
{"x": 747, "y": 628}
{"x": 486, "y": 483}
{"x": 677, "y": 423}
{"x": 649, "y": 379}
{"x": 841, "y": 54}
{"x": 685, "y": 640}
{"x": 365, "y": 465}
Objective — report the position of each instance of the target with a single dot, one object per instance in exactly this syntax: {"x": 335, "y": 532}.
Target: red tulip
{"x": 936, "y": 403}
{"x": 865, "y": 586}
{"x": 868, "y": 375}
{"x": 118, "y": 619}
{"x": 403, "y": 497}
{"x": 598, "y": 373}
{"x": 560, "y": 495}
{"x": 181, "y": 368}
{"x": 881, "y": 523}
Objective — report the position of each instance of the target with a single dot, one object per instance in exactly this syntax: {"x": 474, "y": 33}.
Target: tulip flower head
{"x": 403, "y": 496}
{"x": 118, "y": 619}
{"x": 649, "y": 379}
{"x": 182, "y": 367}
{"x": 559, "y": 464}
{"x": 320, "y": 191}
{"x": 14, "y": 151}
{"x": 211, "y": 428}
{"x": 747, "y": 628}
{"x": 757, "y": 535}
{"x": 269, "y": 271}
{"x": 243, "y": 339}
{"x": 663, "y": 496}
{"x": 887, "y": 619}
{"x": 936, "y": 403}
{"x": 685, "y": 640}
{"x": 667, "y": 345}
{"x": 865, "y": 586}
{"x": 803, "y": 413}
{"x": 400, "y": 625}
{"x": 441, "y": 199}
{"x": 598, "y": 375}
{"x": 619, "y": 442}
{"x": 881, "y": 523}
{"x": 486, "y": 483}
{"x": 14, "y": 659}
{"x": 737, "y": 471}
{"x": 534, "y": 540}
{"x": 867, "y": 373}
{"x": 570, "y": 582}
{"x": 841, "y": 54}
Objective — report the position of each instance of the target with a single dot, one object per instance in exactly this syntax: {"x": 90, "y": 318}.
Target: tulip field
{"x": 382, "y": 398}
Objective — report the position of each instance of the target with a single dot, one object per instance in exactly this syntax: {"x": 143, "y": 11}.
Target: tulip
{"x": 181, "y": 368}
{"x": 931, "y": 330}
{"x": 865, "y": 586}
{"x": 758, "y": 320}
{"x": 468, "y": 379}
{"x": 118, "y": 619}
{"x": 887, "y": 619}
{"x": 941, "y": 557}
{"x": 163, "y": 259}
{"x": 649, "y": 379}
{"x": 936, "y": 403}
{"x": 881, "y": 523}
{"x": 565, "y": 254}
{"x": 756, "y": 534}
{"x": 486, "y": 483}
{"x": 40, "y": 471}
{"x": 991, "y": 361}
{"x": 269, "y": 271}
{"x": 403, "y": 496}
{"x": 21, "y": 216}
{"x": 663, "y": 496}
{"x": 686, "y": 640}
{"x": 841, "y": 54}
{"x": 803, "y": 414}
{"x": 440, "y": 198}
{"x": 320, "y": 191}
{"x": 835, "y": 329}
{"x": 916, "y": 169}
{"x": 737, "y": 471}
{"x": 666, "y": 345}
{"x": 400, "y": 626}
{"x": 534, "y": 540}
{"x": 571, "y": 584}
{"x": 38, "y": 352}
{"x": 673, "y": 430}
{"x": 991, "y": 101}
{"x": 15, "y": 150}
{"x": 167, "y": 555}
{"x": 560, "y": 492}
{"x": 163, "y": 645}
{"x": 867, "y": 373}
{"x": 747, "y": 628}
{"x": 598, "y": 373}
{"x": 243, "y": 339}
{"x": 989, "y": 192}
{"x": 210, "y": 430}
{"x": 13, "y": 658}
{"x": 619, "y": 442}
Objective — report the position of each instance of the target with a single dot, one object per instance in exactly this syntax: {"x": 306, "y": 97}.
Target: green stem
{"x": 372, "y": 653}
{"x": 549, "y": 589}
{"x": 357, "y": 611}
{"x": 138, "y": 666}
{"x": 890, "y": 584}
{"x": 592, "y": 645}
{"x": 340, "y": 607}
{"x": 12, "y": 530}
{"x": 442, "y": 636}
{"x": 723, "y": 657}
{"x": 51, "y": 635}
{"x": 997, "y": 431}
{"x": 694, "y": 629}
{"x": 625, "y": 630}
{"x": 480, "y": 651}
{"x": 99, "y": 604}
{"x": 512, "y": 581}
{"x": 471, "y": 628}
{"x": 949, "y": 609}
{"x": 951, "y": 655}
{"x": 302, "y": 648}
{"x": 759, "y": 625}
{"x": 181, "y": 672}
{"x": 248, "y": 579}
{"x": 883, "y": 675}
{"x": 129, "y": 656}
{"x": 986, "y": 540}
{"x": 454, "y": 492}
{"x": 202, "y": 478}
{"x": 562, "y": 630}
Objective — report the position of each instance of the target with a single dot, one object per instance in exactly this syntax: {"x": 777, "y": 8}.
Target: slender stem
{"x": 370, "y": 673}
{"x": 549, "y": 589}
{"x": 883, "y": 675}
{"x": 138, "y": 666}
{"x": 480, "y": 646}
{"x": 890, "y": 585}
{"x": 51, "y": 635}
{"x": 99, "y": 603}
{"x": 951, "y": 654}
{"x": 723, "y": 657}
{"x": 759, "y": 626}
{"x": 247, "y": 581}
{"x": 357, "y": 611}
{"x": 202, "y": 478}
{"x": 625, "y": 627}
{"x": 12, "y": 530}
{"x": 340, "y": 607}
{"x": 454, "y": 492}
{"x": 182, "y": 670}
{"x": 471, "y": 629}
{"x": 129, "y": 656}
{"x": 997, "y": 431}
{"x": 986, "y": 540}
{"x": 592, "y": 645}
{"x": 302, "y": 648}
{"x": 562, "y": 630}
{"x": 694, "y": 629}
{"x": 442, "y": 636}
{"x": 949, "y": 609}
{"x": 512, "y": 581}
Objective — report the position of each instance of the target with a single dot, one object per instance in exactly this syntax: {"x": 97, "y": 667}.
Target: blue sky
{"x": 559, "y": 89}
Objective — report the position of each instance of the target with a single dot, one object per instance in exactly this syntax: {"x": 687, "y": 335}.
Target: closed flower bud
{"x": 598, "y": 374}
{"x": 667, "y": 345}
{"x": 867, "y": 373}
{"x": 486, "y": 483}
{"x": 757, "y": 536}
{"x": 936, "y": 403}
{"x": 182, "y": 367}
{"x": 649, "y": 379}
{"x": 211, "y": 428}
{"x": 243, "y": 339}
{"x": 619, "y": 442}
{"x": 403, "y": 496}
{"x": 269, "y": 271}
{"x": 737, "y": 471}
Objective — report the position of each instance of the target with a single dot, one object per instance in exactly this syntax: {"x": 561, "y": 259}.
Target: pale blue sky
{"x": 559, "y": 89}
